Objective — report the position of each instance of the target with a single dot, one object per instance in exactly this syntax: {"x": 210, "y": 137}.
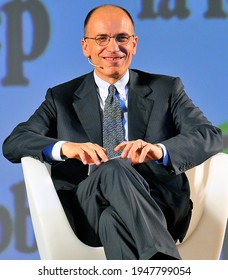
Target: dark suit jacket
{"x": 159, "y": 111}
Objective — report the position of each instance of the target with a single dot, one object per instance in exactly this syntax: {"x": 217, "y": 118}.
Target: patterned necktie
{"x": 113, "y": 133}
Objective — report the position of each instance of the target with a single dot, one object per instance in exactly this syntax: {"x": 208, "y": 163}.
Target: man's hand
{"x": 139, "y": 151}
{"x": 86, "y": 152}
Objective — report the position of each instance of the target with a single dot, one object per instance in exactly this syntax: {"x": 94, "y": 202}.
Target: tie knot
{"x": 112, "y": 89}
{"x": 111, "y": 95}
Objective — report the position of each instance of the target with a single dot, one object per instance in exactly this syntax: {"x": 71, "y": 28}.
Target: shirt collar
{"x": 121, "y": 86}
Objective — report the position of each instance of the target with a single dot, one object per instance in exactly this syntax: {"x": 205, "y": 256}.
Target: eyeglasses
{"x": 103, "y": 40}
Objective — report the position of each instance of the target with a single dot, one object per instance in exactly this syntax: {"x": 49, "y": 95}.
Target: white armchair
{"x": 204, "y": 239}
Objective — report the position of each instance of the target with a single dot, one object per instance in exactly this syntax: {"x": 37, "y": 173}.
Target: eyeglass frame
{"x": 110, "y": 37}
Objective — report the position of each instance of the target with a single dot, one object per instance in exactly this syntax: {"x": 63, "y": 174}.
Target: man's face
{"x": 113, "y": 59}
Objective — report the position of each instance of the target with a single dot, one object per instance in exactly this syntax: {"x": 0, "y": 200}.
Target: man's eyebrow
{"x": 123, "y": 34}
{"x": 119, "y": 34}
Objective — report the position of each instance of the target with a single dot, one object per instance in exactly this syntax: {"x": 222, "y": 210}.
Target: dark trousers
{"x": 113, "y": 208}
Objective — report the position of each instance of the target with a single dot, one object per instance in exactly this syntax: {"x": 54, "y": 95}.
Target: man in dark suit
{"x": 138, "y": 205}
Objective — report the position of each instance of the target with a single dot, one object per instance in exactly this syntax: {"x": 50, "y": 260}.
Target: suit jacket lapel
{"x": 140, "y": 105}
{"x": 87, "y": 107}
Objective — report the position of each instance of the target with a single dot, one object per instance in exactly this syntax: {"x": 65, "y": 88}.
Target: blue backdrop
{"x": 40, "y": 47}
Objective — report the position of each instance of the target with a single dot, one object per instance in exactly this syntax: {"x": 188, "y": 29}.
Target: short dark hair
{"x": 111, "y": 5}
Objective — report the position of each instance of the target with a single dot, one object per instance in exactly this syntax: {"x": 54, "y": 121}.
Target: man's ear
{"x": 135, "y": 43}
{"x": 85, "y": 48}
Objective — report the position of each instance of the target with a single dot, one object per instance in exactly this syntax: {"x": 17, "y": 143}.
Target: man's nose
{"x": 113, "y": 45}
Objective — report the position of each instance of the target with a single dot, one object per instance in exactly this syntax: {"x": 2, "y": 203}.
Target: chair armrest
{"x": 206, "y": 240}
{"x": 54, "y": 236}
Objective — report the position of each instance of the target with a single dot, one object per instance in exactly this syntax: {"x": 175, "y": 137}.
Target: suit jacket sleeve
{"x": 31, "y": 137}
{"x": 196, "y": 138}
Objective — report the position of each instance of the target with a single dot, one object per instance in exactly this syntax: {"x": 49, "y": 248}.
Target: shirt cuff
{"x": 53, "y": 152}
{"x": 165, "y": 158}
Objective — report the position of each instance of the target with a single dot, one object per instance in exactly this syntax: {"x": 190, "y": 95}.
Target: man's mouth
{"x": 113, "y": 58}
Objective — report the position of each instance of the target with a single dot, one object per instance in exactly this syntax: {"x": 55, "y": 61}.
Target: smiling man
{"x": 110, "y": 42}
{"x": 119, "y": 141}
